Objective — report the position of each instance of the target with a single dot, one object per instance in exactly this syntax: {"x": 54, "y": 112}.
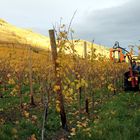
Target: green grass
{"x": 116, "y": 117}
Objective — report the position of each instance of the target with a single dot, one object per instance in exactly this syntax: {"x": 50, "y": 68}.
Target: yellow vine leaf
{"x": 73, "y": 132}
{"x": 26, "y": 114}
{"x": 58, "y": 107}
{"x": 56, "y": 88}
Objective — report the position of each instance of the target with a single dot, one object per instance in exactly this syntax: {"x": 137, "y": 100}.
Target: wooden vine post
{"x": 58, "y": 79}
{"x": 86, "y": 100}
{"x": 85, "y": 49}
{"x": 31, "y": 77}
{"x": 91, "y": 80}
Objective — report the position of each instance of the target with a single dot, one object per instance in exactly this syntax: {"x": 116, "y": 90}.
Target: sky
{"x": 104, "y": 21}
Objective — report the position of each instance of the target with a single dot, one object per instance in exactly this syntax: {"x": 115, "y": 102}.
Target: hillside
{"x": 10, "y": 34}
{"x": 99, "y": 49}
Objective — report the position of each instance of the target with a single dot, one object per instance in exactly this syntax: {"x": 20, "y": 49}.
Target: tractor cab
{"x": 118, "y": 54}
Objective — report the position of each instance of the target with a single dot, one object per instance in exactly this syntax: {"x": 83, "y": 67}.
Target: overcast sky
{"x": 105, "y": 21}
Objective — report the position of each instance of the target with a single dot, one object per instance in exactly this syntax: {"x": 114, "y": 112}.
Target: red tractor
{"x": 131, "y": 77}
